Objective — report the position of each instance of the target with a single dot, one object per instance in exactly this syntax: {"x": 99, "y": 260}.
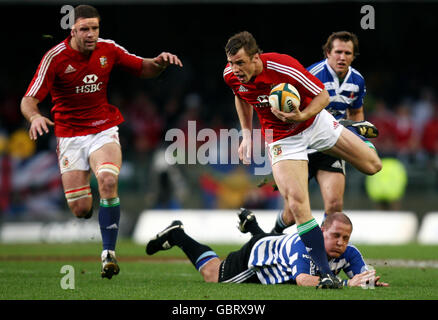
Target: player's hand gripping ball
{"x": 284, "y": 97}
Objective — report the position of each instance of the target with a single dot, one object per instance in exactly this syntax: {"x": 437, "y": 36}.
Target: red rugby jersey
{"x": 78, "y": 86}
{"x": 277, "y": 68}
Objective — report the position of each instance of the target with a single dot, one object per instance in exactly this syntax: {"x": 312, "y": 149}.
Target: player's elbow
{"x": 299, "y": 282}
{"x": 324, "y": 98}
{"x": 306, "y": 280}
{"x": 28, "y": 102}
{"x": 374, "y": 166}
{"x": 24, "y": 102}
{"x": 150, "y": 69}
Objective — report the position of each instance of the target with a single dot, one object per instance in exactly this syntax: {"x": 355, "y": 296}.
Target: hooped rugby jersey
{"x": 277, "y": 68}
{"x": 348, "y": 95}
{"x": 78, "y": 86}
{"x": 281, "y": 258}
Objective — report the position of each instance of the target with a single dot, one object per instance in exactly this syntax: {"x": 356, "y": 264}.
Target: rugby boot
{"x": 161, "y": 240}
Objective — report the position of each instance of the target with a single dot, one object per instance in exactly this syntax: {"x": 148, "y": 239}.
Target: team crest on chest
{"x": 103, "y": 62}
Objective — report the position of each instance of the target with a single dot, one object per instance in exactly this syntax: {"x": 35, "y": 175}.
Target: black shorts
{"x": 322, "y": 161}
{"x": 234, "y": 268}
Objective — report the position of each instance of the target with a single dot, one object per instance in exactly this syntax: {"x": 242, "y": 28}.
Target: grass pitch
{"x": 33, "y": 271}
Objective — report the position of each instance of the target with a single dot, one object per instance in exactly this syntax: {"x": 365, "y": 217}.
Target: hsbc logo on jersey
{"x": 90, "y": 78}
{"x": 90, "y": 85}
{"x": 263, "y": 101}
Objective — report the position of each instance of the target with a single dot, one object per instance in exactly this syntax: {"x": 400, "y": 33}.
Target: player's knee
{"x": 378, "y": 165}
{"x": 295, "y": 202}
{"x": 107, "y": 177}
{"x": 211, "y": 275}
{"x": 210, "y": 271}
{"x": 334, "y": 205}
{"x": 81, "y": 209}
{"x": 107, "y": 182}
{"x": 374, "y": 166}
{"x": 79, "y": 200}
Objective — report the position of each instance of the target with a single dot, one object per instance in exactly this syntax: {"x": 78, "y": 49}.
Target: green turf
{"x": 33, "y": 272}
{"x": 127, "y": 248}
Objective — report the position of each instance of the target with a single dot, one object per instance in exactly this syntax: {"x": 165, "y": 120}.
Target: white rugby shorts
{"x": 321, "y": 135}
{"x": 74, "y": 152}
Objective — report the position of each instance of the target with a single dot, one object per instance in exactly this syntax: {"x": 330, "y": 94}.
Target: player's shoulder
{"x": 54, "y": 55}
{"x": 112, "y": 47}
{"x": 56, "y": 50}
{"x": 228, "y": 72}
{"x": 108, "y": 43}
{"x": 356, "y": 75}
{"x": 275, "y": 58}
{"x": 317, "y": 67}
{"x": 279, "y": 63}
{"x": 351, "y": 252}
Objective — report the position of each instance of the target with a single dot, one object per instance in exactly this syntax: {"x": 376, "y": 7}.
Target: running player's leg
{"x": 329, "y": 172}
{"x": 285, "y": 219}
{"x": 291, "y": 177}
{"x": 75, "y": 175}
{"x": 77, "y": 191}
{"x": 355, "y": 151}
{"x": 105, "y": 163}
{"x": 332, "y": 186}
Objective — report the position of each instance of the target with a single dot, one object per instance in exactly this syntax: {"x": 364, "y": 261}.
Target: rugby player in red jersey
{"x": 251, "y": 74}
{"x": 75, "y": 73}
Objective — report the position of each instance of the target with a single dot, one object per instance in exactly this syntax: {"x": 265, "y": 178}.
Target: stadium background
{"x": 396, "y": 59}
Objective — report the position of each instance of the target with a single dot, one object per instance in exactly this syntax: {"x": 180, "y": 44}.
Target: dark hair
{"x": 240, "y": 40}
{"x": 337, "y": 216}
{"x": 343, "y": 36}
{"x": 85, "y": 11}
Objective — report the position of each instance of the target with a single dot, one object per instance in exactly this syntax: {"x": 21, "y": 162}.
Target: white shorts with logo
{"x": 74, "y": 152}
{"x": 321, "y": 135}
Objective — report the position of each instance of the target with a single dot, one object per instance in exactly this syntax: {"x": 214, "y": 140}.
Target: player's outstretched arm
{"x": 38, "y": 123}
{"x": 152, "y": 67}
{"x": 307, "y": 280}
{"x": 364, "y": 278}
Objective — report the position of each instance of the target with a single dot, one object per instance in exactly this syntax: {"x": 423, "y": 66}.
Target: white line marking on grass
{"x": 403, "y": 263}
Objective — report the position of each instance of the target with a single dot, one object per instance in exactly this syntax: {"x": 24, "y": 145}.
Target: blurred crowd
{"x": 30, "y": 180}
{"x": 408, "y": 130}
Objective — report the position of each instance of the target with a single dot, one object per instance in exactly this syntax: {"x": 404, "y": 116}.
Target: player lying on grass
{"x": 271, "y": 258}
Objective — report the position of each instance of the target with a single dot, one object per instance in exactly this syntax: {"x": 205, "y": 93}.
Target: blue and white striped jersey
{"x": 279, "y": 259}
{"x": 349, "y": 94}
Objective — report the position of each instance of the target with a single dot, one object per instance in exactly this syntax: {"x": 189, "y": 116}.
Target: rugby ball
{"x": 284, "y": 97}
